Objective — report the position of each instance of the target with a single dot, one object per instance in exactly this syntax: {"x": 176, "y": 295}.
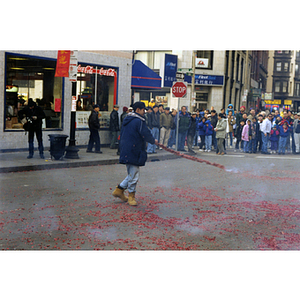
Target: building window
{"x": 203, "y": 97}
{"x": 286, "y": 67}
{"x": 32, "y": 77}
{"x": 277, "y": 86}
{"x": 278, "y": 66}
{"x": 204, "y": 59}
{"x": 95, "y": 85}
{"x": 237, "y": 67}
{"x": 297, "y": 89}
{"x": 284, "y": 86}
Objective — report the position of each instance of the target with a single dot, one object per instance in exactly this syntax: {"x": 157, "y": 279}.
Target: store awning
{"x": 143, "y": 77}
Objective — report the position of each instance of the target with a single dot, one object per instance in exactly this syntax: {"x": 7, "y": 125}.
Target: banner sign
{"x": 209, "y": 80}
{"x": 62, "y": 63}
{"x": 170, "y": 70}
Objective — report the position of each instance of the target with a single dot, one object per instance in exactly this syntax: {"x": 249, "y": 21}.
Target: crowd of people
{"x": 267, "y": 132}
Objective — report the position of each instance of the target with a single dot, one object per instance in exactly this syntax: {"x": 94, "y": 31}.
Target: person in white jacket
{"x": 265, "y": 129}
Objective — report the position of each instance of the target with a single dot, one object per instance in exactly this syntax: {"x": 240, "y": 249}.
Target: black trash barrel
{"x": 57, "y": 145}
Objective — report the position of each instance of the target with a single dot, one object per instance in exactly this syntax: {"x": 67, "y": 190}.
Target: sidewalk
{"x": 18, "y": 162}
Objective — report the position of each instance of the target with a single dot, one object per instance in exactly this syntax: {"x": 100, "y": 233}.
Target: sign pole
{"x": 177, "y": 123}
{"x": 72, "y": 149}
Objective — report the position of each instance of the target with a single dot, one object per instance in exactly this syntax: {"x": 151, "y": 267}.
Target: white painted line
{"x": 277, "y": 157}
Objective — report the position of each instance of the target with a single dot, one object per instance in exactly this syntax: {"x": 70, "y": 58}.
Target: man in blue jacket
{"x": 133, "y": 138}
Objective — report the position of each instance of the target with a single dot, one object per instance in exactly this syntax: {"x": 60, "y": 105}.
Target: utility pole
{"x": 193, "y": 80}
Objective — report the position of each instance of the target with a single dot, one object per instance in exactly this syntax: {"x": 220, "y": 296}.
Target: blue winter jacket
{"x": 209, "y": 129}
{"x": 229, "y": 109}
{"x": 282, "y": 133}
{"x": 201, "y": 128}
{"x": 133, "y": 138}
{"x": 273, "y": 136}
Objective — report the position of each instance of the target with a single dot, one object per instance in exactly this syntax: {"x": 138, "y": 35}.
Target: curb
{"x": 76, "y": 164}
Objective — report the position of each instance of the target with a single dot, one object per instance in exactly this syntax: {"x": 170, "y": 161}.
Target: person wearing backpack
{"x": 296, "y": 131}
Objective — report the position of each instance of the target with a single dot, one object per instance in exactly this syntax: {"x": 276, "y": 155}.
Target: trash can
{"x": 57, "y": 145}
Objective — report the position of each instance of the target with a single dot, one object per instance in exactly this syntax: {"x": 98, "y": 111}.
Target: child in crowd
{"x": 202, "y": 128}
{"x": 274, "y": 138}
{"x": 283, "y": 133}
{"x": 246, "y": 134}
{"x": 239, "y": 131}
{"x": 208, "y": 136}
{"x": 254, "y": 132}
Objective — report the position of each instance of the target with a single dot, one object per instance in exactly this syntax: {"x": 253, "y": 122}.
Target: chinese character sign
{"x": 63, "y": 63}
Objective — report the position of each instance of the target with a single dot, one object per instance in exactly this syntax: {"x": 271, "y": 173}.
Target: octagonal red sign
{"x": 179, "y": 89}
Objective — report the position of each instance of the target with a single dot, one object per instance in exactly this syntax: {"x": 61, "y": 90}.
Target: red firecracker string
{"x": 193, "y": 158}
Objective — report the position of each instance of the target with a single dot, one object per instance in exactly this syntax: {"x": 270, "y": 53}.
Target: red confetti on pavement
{"x": 193, "y": 158}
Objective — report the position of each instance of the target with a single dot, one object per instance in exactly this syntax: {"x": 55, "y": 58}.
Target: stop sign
{"x": 179, "y": 89}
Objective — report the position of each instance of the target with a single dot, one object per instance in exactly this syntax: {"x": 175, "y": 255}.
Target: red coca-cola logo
{"x": 91, "y": 70}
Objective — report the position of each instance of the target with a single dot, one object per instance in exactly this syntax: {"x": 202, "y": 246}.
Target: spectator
{"x": 191, "y": 132}
{"x": 231, "y": 122}
{"x": 153, "y": 124}
{"x": 149, "y": 111}
{"x": 251, "y": 115}
{"x": 94, "y": 127}
{"x": 151, "y": 103}
{"x": 114, "y": 126}
{"x": 208, "y": 135}
{"x": 283, "y": 135}
{"x": 124, "y": 114}
{"x": 254, "y": 131}
{"x": 238, "y": 136}
{"x": 160, "y": 109}
{"x": 221, "y": 133}
{"x": 229, "y": 108}
{"x": 197, "y": 122}
{"x": 297, "y": 133}
{"x": 31, "y": 117}
{"x": 166, "y": 122}
{"x": 214, "y": 121}
{"x": 184, "y": 124}
{"x": 239, "y": 115}
{"x": 201, "y": 129}
{"x": 246, "y": 135}
{"x": 259, "y": 136}
{"x": 172, "y": 138}
{"x": 265, "y": 128}
{"x": 274, "y": 138}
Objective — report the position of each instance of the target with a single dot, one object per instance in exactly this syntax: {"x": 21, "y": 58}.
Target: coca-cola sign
{"x": 92, "y": 70}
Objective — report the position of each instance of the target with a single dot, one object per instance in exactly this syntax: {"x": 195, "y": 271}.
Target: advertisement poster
{"x": 57, "y": 105}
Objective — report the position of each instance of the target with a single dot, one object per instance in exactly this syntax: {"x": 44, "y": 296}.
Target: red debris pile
{"x": 191, "y": 157}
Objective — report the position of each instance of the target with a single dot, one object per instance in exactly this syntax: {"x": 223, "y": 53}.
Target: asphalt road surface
{"x": 253, "y": 204}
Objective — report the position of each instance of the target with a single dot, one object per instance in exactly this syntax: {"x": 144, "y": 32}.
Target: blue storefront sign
{"x": 170, "y": 69}
{"x": 211, "y": 80}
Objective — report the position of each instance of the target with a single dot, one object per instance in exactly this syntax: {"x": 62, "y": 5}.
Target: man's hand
{"x": 156, "y": 142}
{"x": 34, "y": 117}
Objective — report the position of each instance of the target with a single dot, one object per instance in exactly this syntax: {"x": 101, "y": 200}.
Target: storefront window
{"x": 31, "y": 77}
{"x": 95, "y": 85}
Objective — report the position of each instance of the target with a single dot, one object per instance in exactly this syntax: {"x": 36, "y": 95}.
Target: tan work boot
{"x": 131, "y": 199}
{"x": 119, "y": 193}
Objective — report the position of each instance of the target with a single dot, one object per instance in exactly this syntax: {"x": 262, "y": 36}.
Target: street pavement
{"x": 252, "y": 204}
